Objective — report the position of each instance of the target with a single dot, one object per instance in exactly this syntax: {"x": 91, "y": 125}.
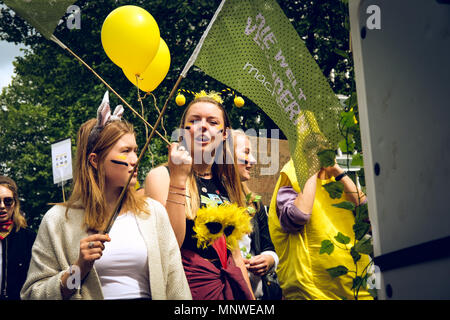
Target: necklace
{"x": 203, "y": 174}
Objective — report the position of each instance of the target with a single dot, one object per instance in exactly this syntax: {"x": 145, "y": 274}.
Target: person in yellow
{"x": 299, "y": 220}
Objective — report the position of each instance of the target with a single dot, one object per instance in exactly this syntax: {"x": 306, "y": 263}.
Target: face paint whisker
{"x": 120, "y": 162}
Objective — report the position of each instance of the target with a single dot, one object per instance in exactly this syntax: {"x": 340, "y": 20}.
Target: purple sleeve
{"x": 291, "y": 218}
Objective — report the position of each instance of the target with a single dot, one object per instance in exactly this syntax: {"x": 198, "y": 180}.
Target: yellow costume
{"x": 302, "y": 270}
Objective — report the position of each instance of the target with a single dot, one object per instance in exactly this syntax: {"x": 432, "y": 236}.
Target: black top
{"x": 16, "y": 256}
{"x": 260, "y": 235}
{"x": 210, "y": 191}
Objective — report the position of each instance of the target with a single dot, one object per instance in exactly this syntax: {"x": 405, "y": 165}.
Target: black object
{"x": 339, "y": 177}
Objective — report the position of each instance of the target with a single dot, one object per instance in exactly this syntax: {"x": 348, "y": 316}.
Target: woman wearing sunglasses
{"x": 16, "y": 242}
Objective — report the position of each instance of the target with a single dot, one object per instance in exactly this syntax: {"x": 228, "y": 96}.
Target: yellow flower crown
{"x": 180, "y": 99}
{"x": 229, "y": 219}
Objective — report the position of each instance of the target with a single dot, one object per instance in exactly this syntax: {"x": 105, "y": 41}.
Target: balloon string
{"x": 142, "y": 106}
{"x": 159, "y": 112}
{"x": 57, "y": 41}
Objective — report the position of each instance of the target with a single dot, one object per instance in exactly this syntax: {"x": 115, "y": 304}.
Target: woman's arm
{"x": 171, "y": 190}
{"x": 305, "y": 199}
{"x": 352, "y": 193}
{"x": 294, "y": 209}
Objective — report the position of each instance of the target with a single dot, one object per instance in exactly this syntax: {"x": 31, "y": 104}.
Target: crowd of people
{"x": 151, "y": 251}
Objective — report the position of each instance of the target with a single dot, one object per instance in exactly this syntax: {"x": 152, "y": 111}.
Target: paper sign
{"x": 62, "y": 161}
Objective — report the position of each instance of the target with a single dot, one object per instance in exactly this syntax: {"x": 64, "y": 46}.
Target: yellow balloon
{"x": 130, "y": 37}
{"x": 155, "y": 73}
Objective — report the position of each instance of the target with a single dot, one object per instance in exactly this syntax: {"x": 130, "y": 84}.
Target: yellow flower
{"x": 213, "y": 221}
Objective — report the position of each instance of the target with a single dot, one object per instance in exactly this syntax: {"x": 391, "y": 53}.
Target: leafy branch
{"x": 362, "y": 244}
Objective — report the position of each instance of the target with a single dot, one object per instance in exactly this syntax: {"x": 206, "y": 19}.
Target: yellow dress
{"x": 302, "y": 270}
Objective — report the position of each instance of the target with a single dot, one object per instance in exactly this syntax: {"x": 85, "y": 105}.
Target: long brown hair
{"x": 18, "y": 219}
{"x": 227, "y": 172}
{"x": 89, "y": 182}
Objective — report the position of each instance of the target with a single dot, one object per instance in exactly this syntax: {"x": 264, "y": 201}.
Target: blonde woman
{"x": 16, "y": 241}
{"x": 139, "y": 259}
{"x": 259, "y": 253}
{"x": 201, "y": 170}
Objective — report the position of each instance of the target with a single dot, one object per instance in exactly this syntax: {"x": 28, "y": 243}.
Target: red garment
{"x": 209, "y": 283}
{"x": 5, "y": 228}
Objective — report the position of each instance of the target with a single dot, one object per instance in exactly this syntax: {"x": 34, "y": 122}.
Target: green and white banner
{"x": 253, "y": 48}
{"x": 43, "y": 15}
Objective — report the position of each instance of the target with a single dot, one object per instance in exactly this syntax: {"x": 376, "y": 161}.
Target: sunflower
{"x": 213, "y": 221}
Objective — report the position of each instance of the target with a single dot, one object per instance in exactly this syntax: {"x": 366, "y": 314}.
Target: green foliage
{"x": 364, "y": 246}
{"x": 337, "y": 271}
{"x": 342, "y": 238}
{"x": 357, "y": 160}
{"x": 334, "y": 189}
{"x": 355, "y": 255}
{"x": 360, "y": 228}
{"x": 326, "y": 247}
{"x": 345, "y": 205}
{"x": 361, "y": 213}
{"x": 326, "y": 158}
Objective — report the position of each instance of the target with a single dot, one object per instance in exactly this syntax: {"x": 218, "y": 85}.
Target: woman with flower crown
{"x": 138, "y": 259}
{"x": 202, "y": 170}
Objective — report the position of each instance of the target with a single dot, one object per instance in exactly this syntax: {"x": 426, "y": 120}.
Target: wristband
{"x": 339, "y": 177}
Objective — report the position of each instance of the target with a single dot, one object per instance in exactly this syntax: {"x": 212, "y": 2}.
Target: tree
{"x": 53, "y": 94}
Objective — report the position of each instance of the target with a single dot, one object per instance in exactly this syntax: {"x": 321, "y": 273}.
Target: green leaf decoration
{"x": 364, "y": 280}
{"x": 326, "y": 247}
{"x": 337, "y": 271}
{"x": 347, "y": 145}
{"x": 360, "y": 229}
{"x": 334, "y": 189}
{"x": 251, "y": 210}
{"x": 345, "y": 205}
{"x": 355, "y": 255}
{"x": 364, "y": 246}
{"x": 341, "y": 238}
{"x": 362, "y": 213}
{"x": 248, "y": 196}
{"x": 257, "y": 198}
{"x": 327, "y": 158}
{"x": 357, "y": 282}
{"x": 357, "y": 160}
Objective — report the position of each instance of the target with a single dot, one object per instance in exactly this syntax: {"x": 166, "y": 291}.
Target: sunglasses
{"x": 8, "y": 201}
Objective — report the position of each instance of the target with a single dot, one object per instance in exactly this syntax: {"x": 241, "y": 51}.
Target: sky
{"x": 8, "y": 51}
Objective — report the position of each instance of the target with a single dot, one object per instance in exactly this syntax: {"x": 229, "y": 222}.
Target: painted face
{"x": 6, "y": 203}
{"x": 205, "y": 124}
{"x": 246, "y": 161}
{"x": 120, "y": 161}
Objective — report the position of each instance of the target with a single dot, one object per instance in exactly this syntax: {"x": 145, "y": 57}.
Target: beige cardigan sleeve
{"x": 55, "y": 249}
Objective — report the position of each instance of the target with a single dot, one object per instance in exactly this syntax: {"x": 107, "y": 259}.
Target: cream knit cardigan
{"x": 57, "y": 247}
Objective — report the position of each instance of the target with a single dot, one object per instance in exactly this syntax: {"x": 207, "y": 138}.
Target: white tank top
{"x": 123, "y": 268}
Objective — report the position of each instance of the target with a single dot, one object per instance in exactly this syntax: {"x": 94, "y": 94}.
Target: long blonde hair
{"x": 89, "y": 182}
{"x": 227, "y": 172}
{"x": 18, "y": 220}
